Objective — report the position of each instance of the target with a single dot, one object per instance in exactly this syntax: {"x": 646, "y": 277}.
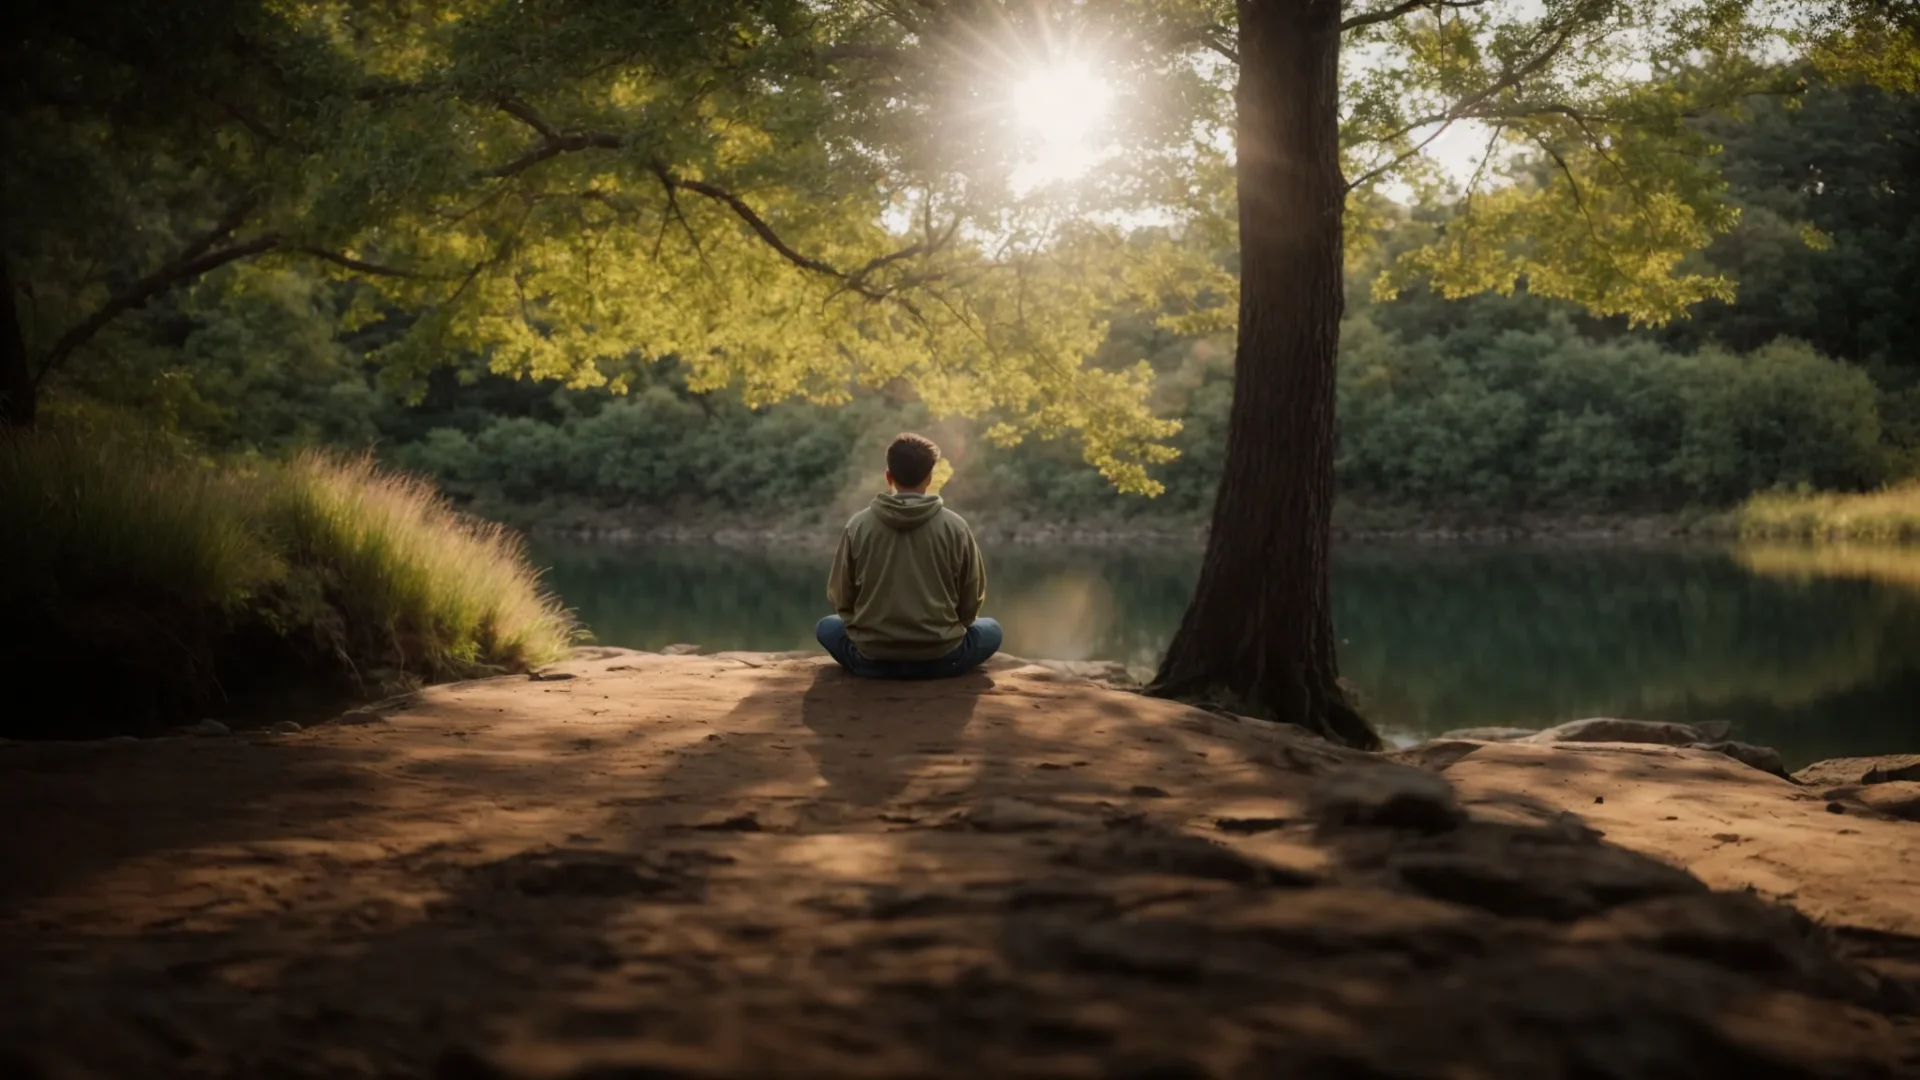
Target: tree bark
{"x": 1258, "y": 636}
{"x": 17, "y": 397}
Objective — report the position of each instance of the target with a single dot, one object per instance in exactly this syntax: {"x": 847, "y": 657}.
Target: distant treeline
{"x": 1524, "y": 419}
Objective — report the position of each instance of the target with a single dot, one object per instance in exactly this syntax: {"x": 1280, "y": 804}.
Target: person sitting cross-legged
{"x": 908, "y": 581}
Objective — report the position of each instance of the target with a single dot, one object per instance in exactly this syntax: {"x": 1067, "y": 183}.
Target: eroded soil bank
{"x": 752, "y": 866}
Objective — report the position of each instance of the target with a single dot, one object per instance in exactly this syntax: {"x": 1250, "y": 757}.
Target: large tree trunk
{"x": 1258, "y": 637}
{"x": 17, "y": 397}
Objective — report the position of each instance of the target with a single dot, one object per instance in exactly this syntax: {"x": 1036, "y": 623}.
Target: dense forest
{"x": 1487, "y": 404}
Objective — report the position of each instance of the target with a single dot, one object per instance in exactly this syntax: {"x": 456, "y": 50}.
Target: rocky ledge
{"x": 640, "y": 865}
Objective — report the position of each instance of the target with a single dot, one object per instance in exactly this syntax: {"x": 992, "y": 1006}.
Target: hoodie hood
{"x": 905, "y": 513}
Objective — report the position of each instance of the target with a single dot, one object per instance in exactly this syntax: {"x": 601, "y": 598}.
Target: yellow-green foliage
{"x": 1889, "y": 514}
{"x": 169, "y": 584}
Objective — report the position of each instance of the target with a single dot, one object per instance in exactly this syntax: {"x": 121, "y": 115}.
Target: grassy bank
{"x": 1889, "y": 515}
{"x": 142, "y": 588}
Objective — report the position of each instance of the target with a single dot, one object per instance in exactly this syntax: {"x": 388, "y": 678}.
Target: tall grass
{"x": 141, "y": 586}
{"x": 1891, "y": 514}
{"x": 437, "y": 592}
{"x": 93, "y": 517}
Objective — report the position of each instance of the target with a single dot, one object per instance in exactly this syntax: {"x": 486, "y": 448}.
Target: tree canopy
{"x": 800, "y": 198}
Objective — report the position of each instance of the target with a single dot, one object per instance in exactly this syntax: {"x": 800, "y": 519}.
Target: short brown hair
{"x": 911, "y": 459}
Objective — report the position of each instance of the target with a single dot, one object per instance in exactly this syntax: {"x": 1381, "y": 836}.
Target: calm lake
{"x": 1813, "y": 651}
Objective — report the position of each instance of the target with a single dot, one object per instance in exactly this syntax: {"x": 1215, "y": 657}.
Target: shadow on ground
{"x": 693, "y": 868}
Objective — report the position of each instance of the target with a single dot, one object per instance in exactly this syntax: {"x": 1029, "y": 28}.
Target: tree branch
{"x": 1579, "y": 201}
{"x": 198, "y": 259}
{"x": 748, "y": 215}
{"x": 1404, "y": 7}
{"x": 1469, "y": 106}
{"x": 1473, "y": 182}
{"x": 1213, "y": 38}
{"x": 554, "y": 147}
{"x": 524, "y": 113}
{"x": 1373, "y": 174}
{"x": 364, "y": 267}
{"x": 229, "y": 221}
{"x": 554, "y": 143}
{"x": 1217, "y": 41}
{"x": 884, "y": 55}
{"x": 247, "y": 120}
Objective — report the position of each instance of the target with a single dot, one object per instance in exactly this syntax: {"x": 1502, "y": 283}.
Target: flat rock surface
{"x": 1835, "y": 772}
{"x": 1733, "y": 826}
{"x": 743, "y": 865}
{"x": 1894, "y": 798}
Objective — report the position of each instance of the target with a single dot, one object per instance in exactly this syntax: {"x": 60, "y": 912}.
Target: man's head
{"x": 910, "y": 462}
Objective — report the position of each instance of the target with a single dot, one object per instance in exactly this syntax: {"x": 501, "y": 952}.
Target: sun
{"x": 1060, "y": 109}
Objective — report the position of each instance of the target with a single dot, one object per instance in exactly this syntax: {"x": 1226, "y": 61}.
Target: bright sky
{"x": 1062, "y": 105}
{"x": 1457, "y": 151}
{"x": 1060, "y": 109}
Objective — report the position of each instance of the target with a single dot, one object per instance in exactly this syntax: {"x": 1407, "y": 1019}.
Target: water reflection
{"x": 1814, "y": 651}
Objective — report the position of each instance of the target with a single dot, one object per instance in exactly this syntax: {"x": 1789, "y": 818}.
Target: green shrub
{"x": 653, "y": 448}
{"x": 1550, "y": 420}
{"x": 142, "y": 586}
{"x": 1489, "y": 418}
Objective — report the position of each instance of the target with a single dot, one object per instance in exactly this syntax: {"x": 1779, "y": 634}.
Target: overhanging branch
{"x": 199, "y": 258}
{"x": 750, "y": 217}
{"x": 555, "y": 143}
{"x": 1405, "y": 7}
{"x": 1217, "y": 39}
{"x": 364, "y": 267}
{"x": 524, "y": 113}
{"x": 554, "y": 147}
{"x": 1473, "y": 106}
{"x": 884, "y": 55}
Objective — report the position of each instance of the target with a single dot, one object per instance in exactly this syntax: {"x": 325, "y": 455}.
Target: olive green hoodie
{"x": 908, "y": 578}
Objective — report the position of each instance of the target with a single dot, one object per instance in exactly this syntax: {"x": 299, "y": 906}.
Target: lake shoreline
{"x": 1789, "y": 519}
{"x": 730, "y": 532}
{"x": 819, "y": 527}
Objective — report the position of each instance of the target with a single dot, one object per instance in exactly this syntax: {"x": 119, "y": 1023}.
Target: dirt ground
{"x": 742, "y": 865}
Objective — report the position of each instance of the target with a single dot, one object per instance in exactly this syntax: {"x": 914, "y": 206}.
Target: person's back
{"x": 907, "y": 581}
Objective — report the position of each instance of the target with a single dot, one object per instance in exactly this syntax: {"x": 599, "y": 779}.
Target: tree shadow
{"x": 823, "y": 945}
{"x": 77, "y": 810}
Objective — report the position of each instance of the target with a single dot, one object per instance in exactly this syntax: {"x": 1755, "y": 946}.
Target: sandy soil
{"x": 752, "y": 866}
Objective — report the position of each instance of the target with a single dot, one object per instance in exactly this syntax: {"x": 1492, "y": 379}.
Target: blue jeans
{"x": 982, "y": 641}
